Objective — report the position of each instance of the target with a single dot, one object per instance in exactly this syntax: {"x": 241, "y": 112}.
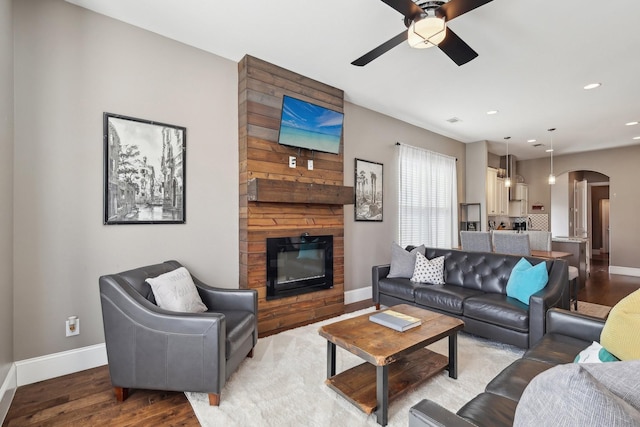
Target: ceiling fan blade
{"x": 456, "y": 8}
{"x": 456, "y": 49}
{"x": 383, "y": 48}
{"x": 406, "y": 7}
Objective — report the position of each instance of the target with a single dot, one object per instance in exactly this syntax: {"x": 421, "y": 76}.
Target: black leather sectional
{"x": 475, "y": 291}
{"x": 567, "y": 335}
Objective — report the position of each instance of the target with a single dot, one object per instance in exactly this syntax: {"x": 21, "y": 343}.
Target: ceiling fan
{"x": 426, "y": 27}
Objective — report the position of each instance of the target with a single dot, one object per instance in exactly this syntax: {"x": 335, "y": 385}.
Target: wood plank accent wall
{"x": 260, "y": 91}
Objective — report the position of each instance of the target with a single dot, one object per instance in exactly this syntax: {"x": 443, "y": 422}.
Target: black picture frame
{"x": 144, "y": 171}
{"x": 368, "y": 191}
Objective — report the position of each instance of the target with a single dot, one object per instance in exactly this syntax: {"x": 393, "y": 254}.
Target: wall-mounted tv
{"x": 310, "y": 126}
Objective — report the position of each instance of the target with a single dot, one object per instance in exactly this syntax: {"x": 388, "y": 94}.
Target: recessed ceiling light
{"x": 490, "y": 112}
{"x": 592, "y": 86}
{"x": 531, "y": 140}
{"x": 549, "y": 150}
{"x": 631, "y": 124}
{"x": 636, "y": 137}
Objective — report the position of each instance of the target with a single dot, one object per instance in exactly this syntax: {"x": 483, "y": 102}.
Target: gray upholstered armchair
{"x": 152, "y": 348}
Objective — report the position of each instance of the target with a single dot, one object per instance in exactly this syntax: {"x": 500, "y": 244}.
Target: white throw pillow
{"x": 428, "y": 271}
{"x": 595, "y": 353}
{"x": 175, "y": 291}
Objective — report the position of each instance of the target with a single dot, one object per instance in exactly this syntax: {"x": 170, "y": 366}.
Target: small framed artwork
{"x": 144, "y": 171}
{"x": 368, "y": 191}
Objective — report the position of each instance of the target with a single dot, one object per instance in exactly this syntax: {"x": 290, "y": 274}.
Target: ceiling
{"x": 534, "y": 59}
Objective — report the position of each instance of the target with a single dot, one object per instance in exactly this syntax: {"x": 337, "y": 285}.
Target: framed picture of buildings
{"x": 368, "y": 191}
{"x": 144, "y": 171}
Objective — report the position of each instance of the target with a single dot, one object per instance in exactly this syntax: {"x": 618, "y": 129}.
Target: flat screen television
{"x": 310, "y": 126}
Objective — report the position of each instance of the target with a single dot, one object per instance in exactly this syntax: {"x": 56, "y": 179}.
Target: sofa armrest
{"x": 553, "y": 295}
{"x": 227, "y": 299}
{"x": 378, "y": 272}
{"x": 428, "y": 413}
{"x": 575, "y": 325}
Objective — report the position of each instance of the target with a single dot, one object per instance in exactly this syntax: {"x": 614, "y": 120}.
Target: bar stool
{"x": 573, "y": 284}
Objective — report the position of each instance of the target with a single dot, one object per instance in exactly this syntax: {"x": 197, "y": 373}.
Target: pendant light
{"x": 552, "y": 177}
{"x": 507, "y": 180}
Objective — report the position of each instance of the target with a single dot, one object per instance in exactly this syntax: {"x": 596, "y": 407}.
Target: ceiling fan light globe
{"x": 426, "y": 32}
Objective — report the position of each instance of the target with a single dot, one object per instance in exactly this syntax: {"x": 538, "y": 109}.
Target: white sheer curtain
{"x": 428, "y": 192}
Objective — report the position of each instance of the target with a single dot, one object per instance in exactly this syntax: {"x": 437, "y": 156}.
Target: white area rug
{"x": 283, "y": 384}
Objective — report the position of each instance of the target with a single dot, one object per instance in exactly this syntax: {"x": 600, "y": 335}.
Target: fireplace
{"x": 297, "y": 265}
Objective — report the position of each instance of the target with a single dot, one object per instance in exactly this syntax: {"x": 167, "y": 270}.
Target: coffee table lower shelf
{"x": 358, "y": 384}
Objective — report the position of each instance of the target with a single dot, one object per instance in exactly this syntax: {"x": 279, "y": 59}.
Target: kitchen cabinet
{"x": 518, "y": 206}
{"x": 502, "y": 197}
{"x": 497, "y": 194}
{"x": 492, "y": 176}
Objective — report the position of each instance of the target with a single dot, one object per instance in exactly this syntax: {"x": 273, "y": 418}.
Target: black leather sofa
{"x": 567, "y": 335}
{"x": 475, "y": 291}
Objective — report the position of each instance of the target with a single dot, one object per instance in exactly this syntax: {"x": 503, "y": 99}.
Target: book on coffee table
{"x": 394, "y": 320}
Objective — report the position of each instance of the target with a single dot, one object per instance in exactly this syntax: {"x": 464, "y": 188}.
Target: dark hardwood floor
{"x": 86, "y": 398}
{"x": 604, "y": 288}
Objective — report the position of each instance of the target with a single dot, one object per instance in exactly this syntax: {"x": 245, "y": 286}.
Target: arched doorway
{"x": 580, "y": 209}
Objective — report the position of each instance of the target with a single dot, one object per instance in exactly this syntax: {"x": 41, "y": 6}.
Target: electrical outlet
{"x": 310, "y": 165}
{"x": 292, "y": 162}
{"x": 72, "y": 326}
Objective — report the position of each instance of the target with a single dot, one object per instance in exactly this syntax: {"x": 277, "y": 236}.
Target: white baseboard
{"x": 625, "y": 271}
{"x": 54, "y": 365}
{"x": 356, "y": 295}
{"x": 7, "y": 391}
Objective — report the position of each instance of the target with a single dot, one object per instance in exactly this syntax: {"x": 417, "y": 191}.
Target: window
{"x": 428, "y": 201}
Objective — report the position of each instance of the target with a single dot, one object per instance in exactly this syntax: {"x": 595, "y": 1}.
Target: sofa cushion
{"x": 621, "y": 332}
{"x": 428, "y": 270}
{"x": 448, "y": 298}
{"x": 606, "y": 394}
{"x": 556, "y": 348}
{"x": 403, "y": 262}
{"x": 399, "y": 288}
{"x": 498, "y": 309}
{"x": 488, "y": 409}
{"x": 526, "y": 279}
{"x": 512, "y": 381}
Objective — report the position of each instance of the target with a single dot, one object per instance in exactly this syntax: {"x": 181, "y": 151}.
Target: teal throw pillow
{"x": 595, "y": 353}
{"x": 525, "y": 280}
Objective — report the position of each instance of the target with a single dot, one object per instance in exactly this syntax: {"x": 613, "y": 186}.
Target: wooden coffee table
{"x": 396, "y": 362}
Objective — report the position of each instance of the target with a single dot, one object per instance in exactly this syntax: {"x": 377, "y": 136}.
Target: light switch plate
{"x": 310, "y": 165}
{"x": 292, "y": 162}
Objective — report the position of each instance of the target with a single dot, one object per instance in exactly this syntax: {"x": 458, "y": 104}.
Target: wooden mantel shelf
{"x": 277, "y": 191}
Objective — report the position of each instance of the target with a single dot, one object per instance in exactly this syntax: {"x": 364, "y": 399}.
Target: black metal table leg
{"x": 453, "y": 355}
{"x": 331, "y": 359}
{"x": 382, "y": 394}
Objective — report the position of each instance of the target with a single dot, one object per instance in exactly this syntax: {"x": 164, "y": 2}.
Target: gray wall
{"x": 476, "y": 178}
{"x": 372, "y": 136}
{"x": 621, "y": 165}
{"x": 6, "y": 188}
{"x": 71, "y": 65}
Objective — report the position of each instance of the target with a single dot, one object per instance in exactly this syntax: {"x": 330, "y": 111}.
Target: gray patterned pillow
{"x": 429, "y": 271}
{"x": 585, "y": 395}
{"x": 403, "y": 262}
{"x": 175, "y": 291}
